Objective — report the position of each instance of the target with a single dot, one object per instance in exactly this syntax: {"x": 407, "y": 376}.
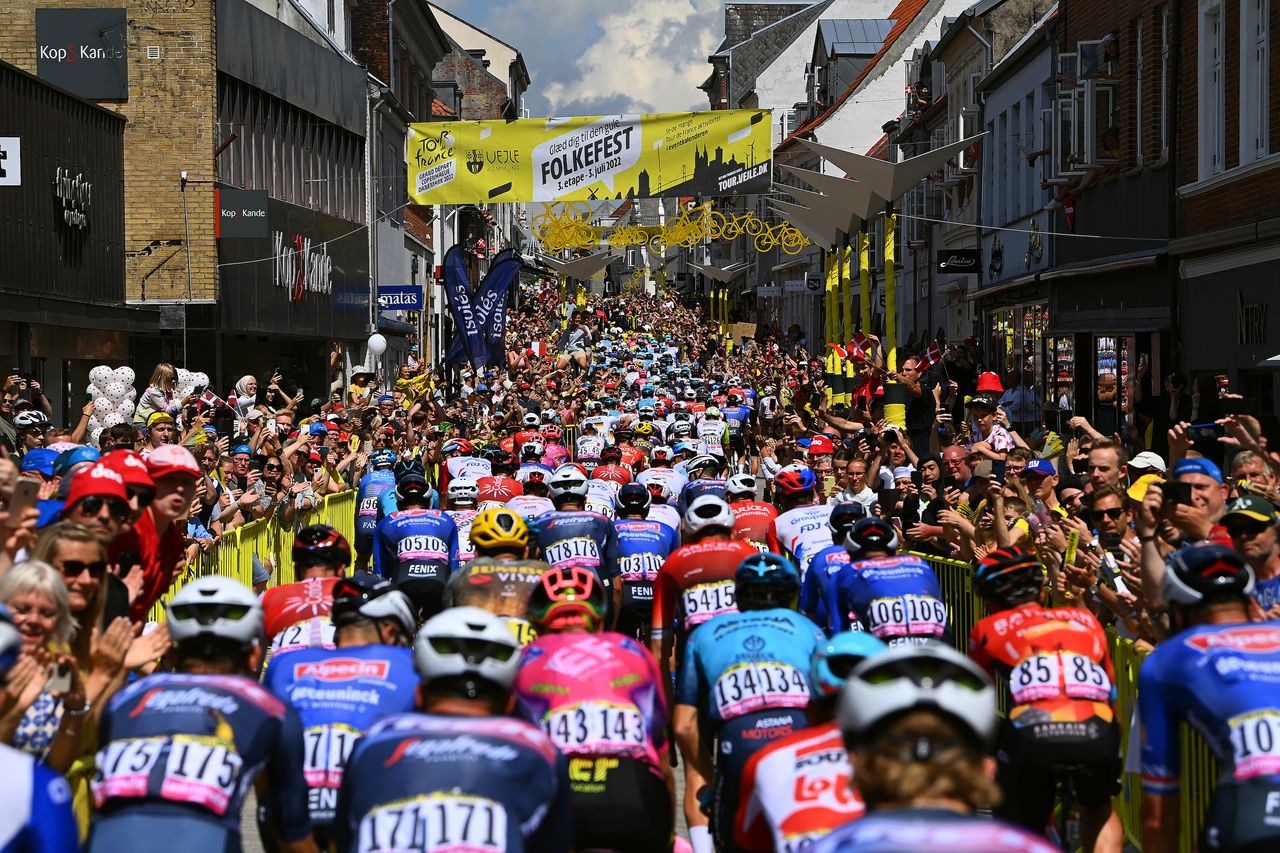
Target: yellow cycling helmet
{"x": 643, "y": 429}
{"x": 499, "y": 527}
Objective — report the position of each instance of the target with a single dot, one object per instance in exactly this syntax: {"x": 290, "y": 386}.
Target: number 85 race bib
{"x": 1049, "y": 676}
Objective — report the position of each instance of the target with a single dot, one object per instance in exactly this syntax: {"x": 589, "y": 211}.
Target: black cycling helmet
{"x": 766, "y": 580}
{"x": 843, "y": 517}
{"x": 1204, "y": 574}
{"x": 633, "y": 498}
{"x": 610, "y": 454}
{"x": 367, "y": 596}
{"x": 1009, "y": 576}
{"x": 497, "y": 456}
{"x": 871, "y": 534}
{"x": 320, "y": 545}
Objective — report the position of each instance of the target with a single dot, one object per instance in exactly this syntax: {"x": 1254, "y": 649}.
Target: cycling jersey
{"x": 37, "y": 816}
{"x": 499, "y": 488}
{"x": 751, "y": 520}
{"x": 695, "y": 489}
{"x": 438, "y": 784}
{"x": 338, "y": 694}
{"x": 800, "y": 533}
{"x": 189, "y": 746}
{"x": 619, "y": 474}
{"x": 667, "y": 515}
{"x": 463, "y": 518}
{"x": 669, "y": 477}
{"x": 912, "y": 829}
{"x": 500, "y": 587}
{"x": 714, "y": 434}
{"x": 735, "y": 419}
{"x": 588, "y": 447}
{"x": 579, "y": 539}
{"x": 466, "y": 466}
{"x": 601, "y": 497}
{"x": 530, "y": 506}
{"x": 296, "y": 615}
{"x": 418, "y": 548}
{"x": 372, "y": 486}
{"x": 632, "y": 458}
{"x": 643, "y": 546}
{"x": 697, "y": 583}
{"x": 813, "y": 589}
{"x": 795, "y": 791}
{"x": 896, "y": 598}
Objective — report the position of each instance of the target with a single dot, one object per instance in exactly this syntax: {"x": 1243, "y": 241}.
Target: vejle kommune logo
{"x": 80, "y": 52}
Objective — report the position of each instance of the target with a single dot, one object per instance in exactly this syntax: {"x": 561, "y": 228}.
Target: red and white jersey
{"x": 800, "y": 533}
{"x": 795, "y": 790}
{"x": 530, "y": 506}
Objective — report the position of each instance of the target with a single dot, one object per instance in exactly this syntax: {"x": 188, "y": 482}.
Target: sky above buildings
{"x": 601, "y": 57}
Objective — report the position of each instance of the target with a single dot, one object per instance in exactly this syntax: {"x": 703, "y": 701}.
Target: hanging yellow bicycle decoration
{"x": 568, "y": 228}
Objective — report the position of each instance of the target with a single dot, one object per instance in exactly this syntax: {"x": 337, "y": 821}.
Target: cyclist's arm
{"x": 1161, "y": 761}
{"x": 53, "y": 826}
{"x": 288, "y": 788}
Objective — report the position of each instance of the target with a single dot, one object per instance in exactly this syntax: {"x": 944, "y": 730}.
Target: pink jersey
{"x": 595, "y": 695}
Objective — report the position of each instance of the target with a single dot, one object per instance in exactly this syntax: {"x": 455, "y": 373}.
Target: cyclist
{"x": 372, "y": 485}
{"x": 660, "y": 469}
{"x": 828, "y": 561}
{"x": 389, "y": 501}
{"x": 589, "y": 445}
{"x": 460, "y": 460}
{"x": 179, "y": 750}
{"x": 737, "y": 418}
{"x": 611, "y": 467}
{"x": 37, "y": 817}
{"x": 501, "y": 486}
{"x": 897, "y": 598}
{"x": 1216, "y": 673}
{"x": 751, "y": 518}
{"x": 601, "y": 497}
{"x": 796, "y": 789}
{"x": 704, "y": 479}
{"x": 533, "y": 502}
{"x": 712, "y": 431}
{"x": 461, "y": 775}
{"x": 500, "y": 577}
{"x": 572, "y": 537}
{"x": 599, "y": 697}
{"x": 339, "y": 693}
{"x": 297, "y": 614}
{"x": 643, "y": 546}
{"x": 802, "y": 526}
{"x": 660, "y": 508}
{"x": 1060, "y": 678}
{"x": 415, "y": 547}
{"x": 744, "y": 681}
{"x": 461, "y": 498}
{"x": 917, "y": 721}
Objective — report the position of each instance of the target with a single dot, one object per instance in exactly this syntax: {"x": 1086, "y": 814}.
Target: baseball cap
{"x": 820, "y": 445}
{"x": 1042, "y": 467}
{"x": 982, "y": 470}
{"x": 315, "y": 456}
{"x": 255, "y": 414}
{"x": 1197, "y": 465}
{"x": 317, "y": 429}
{"x": 984, "y": 400}
{"x": 1138, "y": 491}
{"x": 159, "y": 418}
{"x": 69, "y": 458}
{"x": 99, "y": 480}
{"x": 386, "y": 398}
{"x": 130, "y": 466}
{"x": 39, "y": 460}
{"x": 1253, "y": 507}
{"x": 171, "y": 459}
{"x": 242, "y": 448}
{"x": 1148, "y": 460}
{"x": 903, "y": 473}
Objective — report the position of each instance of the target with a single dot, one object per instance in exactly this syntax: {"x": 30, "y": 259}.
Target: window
{"x": 1254, "y": 56}
{"x": 1211, "y": 91}
{"x": 1139, "y": 94}
{"x": 1164, "y": 81}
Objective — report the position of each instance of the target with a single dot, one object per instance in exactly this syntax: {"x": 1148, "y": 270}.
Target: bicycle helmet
{"x": 531, "y": 420}
{"x": 367, "y": 596}
{"x": 320, "y": 545}
{"x": 703, "y": 462}
{"x": 1009, "y": 576}
{"x": 405, "y": 467}
{"x": 532, "y": 448}
{"x": 495, "y": 455}
{"x": 469, "y": 644}
{"x": 764, "y": 581}
{"x": 382, "y": 458}
{"x": 659, "y": 492}
{"x": 661, "y": 453}
{"x": 463, "y": 490}
{"x": 633, "y": 498}
{"x": 741, "y": 485}
{"x": 874, "y": 534}
{"x": 548, "y": 416}
{"x": 706, "y": 512}
{"x": 643, "y": 429}
{"x": 215, "y": 608}
{"x": 795, "y": 480}
{"x": 413, "y": 488}
{"x": 457, "y": 445}
{"x": 646, "y": 411}
{"x": 681, "y": 429}
{"x": 712, "y": 413}
{"x": 835, "y": 658}
{"x": 680, "y": 415}
{"x": 552, "y": 433}
{"x": 843, "y": 517}
{"x": 567, "y": 481}
{"x": 904, "y": 678}
{"x": 30, "y": 419}
{"x": 1201, "y": 574}
{"x": 497, "y": 528}
{"x": 610, "y": 454}
{"x": 567, "y": 598}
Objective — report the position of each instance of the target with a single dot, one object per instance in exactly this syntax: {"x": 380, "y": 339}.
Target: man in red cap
{"x": 99, "y": 500}
{"x": 138, "y": 484}
{"x": 156, "y": 541}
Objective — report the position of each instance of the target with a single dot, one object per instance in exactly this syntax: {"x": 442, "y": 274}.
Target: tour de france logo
{"x": 433, "y": 149}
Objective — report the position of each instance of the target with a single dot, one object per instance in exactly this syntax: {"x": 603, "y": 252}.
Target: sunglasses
{"x": 93, "y": 504}
{"x": 272, "y": 467}
{"x": 1114, "y": 513}
{"x": 144, "y": 497}
{"x": 75, "y": 568}
{"x": 1245, "y": 528}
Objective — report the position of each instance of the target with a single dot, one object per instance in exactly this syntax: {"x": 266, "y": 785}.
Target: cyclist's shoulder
{"x": 176, "y": 694}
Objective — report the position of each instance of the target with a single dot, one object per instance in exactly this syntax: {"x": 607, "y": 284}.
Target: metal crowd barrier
{"x": 1199, "y": 767}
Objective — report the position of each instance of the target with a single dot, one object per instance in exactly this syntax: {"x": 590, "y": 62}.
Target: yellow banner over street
{"x": 717, "y": 153}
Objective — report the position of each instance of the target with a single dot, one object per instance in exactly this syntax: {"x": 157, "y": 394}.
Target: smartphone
{"x": 255, "y": 464}
{"x": 1176, "y": 493}
{"x": 25, "y": 494}
{"x": 299, "y": 478}
{"x": 127, "y": 561}
{"x": 60, "y": 681}
{"x": 1206, "y": 432}
{"x": 889, "y": 498}
{"x": 1234, "y": 406}
{"x": 1111, "y": 542}
{"x": 997, "y": 470}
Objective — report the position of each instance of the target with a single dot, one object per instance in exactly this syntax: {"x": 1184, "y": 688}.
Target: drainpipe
{"x": 991, "y": 58}
{"x": 391, "y": 53}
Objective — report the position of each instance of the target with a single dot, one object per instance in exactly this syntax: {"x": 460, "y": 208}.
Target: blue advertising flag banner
{"x": 400, "y": 297}
{"x": 491, "y": 307}
{"x": 457, "y": 289}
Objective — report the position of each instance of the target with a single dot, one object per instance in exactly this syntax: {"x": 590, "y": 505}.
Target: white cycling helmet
{"x": 532, "y": 447}
{"x": 567, "y": 480}
{"x": 217, "y": 607}
{"x": 681, "y": 429}
{"x": 548, "y": 416}
{"x": 531, "y": 420}
{"x": 463, "y": 490}
{"x": 741, "y": 484}
{"x": 467, "y": 642}
{"x": 707, "y": 511}
{"x": 661, "y": 453}
{"x": 30, "y": 419}
{"x": 704, "y": 462}
{"x": 932, "y": 676}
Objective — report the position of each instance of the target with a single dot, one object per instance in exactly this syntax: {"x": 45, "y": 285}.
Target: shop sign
{"x": 10, "y": 161}
{"x": 400, "y": 297}
{"x": 241, "y": 213}
{"x": 795, "y": 285}
{"x": 84, "y": 51}
{"x": 959, "y": 261}
{"x": 301, "y": 267}
{"x": 767, "y": 291}
{"x": 813, "y": 282}
{"x": 75, "y": 195}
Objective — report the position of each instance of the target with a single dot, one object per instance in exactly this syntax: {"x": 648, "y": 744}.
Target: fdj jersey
{"x": 571, "y": 539}
{"x": 643, "y": 546}
{"x": 801, "y": 533}
{"x": 338, "y": 694}
{"x": 892, "y": 597}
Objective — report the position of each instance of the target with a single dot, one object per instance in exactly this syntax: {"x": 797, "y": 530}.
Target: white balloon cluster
{"x": 188, "y": 382}
{"x": 113, "y": 396}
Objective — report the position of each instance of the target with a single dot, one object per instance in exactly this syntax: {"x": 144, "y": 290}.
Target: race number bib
{"x": 521, "y": 630}
{"x": 422, "y": 547}
{"x": 639, "y": 567}
{"x": 747, "y": 687}
{"x": 327, "y": 749}
{"x": 438, "y": 823}
{"x": 595, "y": 728}
{"x": 1050, "y": 676}
{"x": 314, "y": 633}
{"x": 907, "y": 615}
{"x": 198, "y": 770}
{"x": 369, "y": 507}
{"x": 705, "y": 600}
{"x": 123, "y": 767}
{"x": 1255, "y": 741}
{"x": 577, "y": 552}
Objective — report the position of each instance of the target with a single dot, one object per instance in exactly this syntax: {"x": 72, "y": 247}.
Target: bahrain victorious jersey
{"x": 800, "y": 533}
{"x": 595, "y": 695}
{"x": 297, "y": 615}
{"x": 751, "y": 521}
{"x": 911, "y": 830}
{"x": 191, "y": 745}
{"x": 696, "y": 583}
{"x": 416, "y": 545}
{"x": 796, "y": 790}
{"x": 372, "y": 486}
{"x": 892, "y": 597}
{"x": 579, "y": 539}
{"x": 1224, "y": 680}
{"x": 338, "y": 694}
{"x": 438, "y": 784}
{"x": 1055, "y": 662}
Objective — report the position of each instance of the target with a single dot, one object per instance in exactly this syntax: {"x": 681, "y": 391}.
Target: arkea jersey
{"x": 338, "y": 694}
{"x": 443, "y": 784}
{"x": 643, "y": 546}
{"x": 371, "y": 487}
{"x": 891, "y": 597}
{"x": 910, "y": 830}
{"x": 697, "y": 583}
{"x": 741, "y": 663}
{"x": 416, "y": 545}
{"x": 796, "y": 790}
{"x": 296, "y": 615}
{"x": 751, "y": 521}
{"x": 595, "y": 695}
{"x": 191, "y": 745}
{"x": 800, "y": 533}
{"x": 579, "y": 539}
{"x": 37, "y": 816}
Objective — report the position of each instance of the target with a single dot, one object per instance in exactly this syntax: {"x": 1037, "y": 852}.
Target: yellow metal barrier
{"x": 1199, "y": 768}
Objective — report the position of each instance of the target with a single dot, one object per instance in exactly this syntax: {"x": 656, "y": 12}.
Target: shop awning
{"x": 791, "y": 264}
{"x": 1020, "y": 281}
{"x": 1273, "y": 362}
{"x": 1097, "y": 266}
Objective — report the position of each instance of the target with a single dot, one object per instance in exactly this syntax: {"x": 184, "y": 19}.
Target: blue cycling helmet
{"x": 834, "y": 659}
{"x": 405, "y": 467}
{"x": 765, "y": 581}
{"x": 843, "y": 517}
{"x": 382, "y": 458}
